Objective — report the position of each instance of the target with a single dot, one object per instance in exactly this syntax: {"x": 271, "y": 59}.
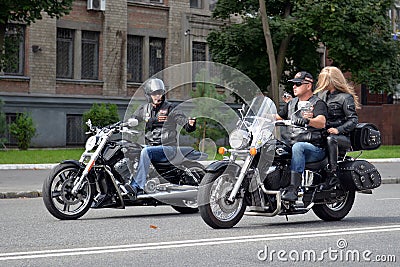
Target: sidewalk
{"x": 26, "y": 180}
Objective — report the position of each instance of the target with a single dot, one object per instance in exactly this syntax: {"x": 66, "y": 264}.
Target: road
{"x": 159, "y": 236}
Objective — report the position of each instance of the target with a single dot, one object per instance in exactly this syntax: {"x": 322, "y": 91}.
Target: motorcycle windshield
{"x": 260, "y": 120}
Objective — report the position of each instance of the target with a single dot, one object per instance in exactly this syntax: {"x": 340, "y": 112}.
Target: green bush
{"x": 23, "y": 130}
{"x": 102, "y": 114}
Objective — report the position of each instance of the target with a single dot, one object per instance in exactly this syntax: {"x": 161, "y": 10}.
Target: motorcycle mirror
{"x": 132, "y": 122}
{"x": 89, "y": 123}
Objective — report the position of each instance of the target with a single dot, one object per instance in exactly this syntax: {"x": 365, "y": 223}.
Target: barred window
{"x": 75, "y": 130}
{"x": 65, "y": 59}
{"x": 11, "y": 140}
{"x": 135, "y": 58}
{"x": 195, "y": 4}
{"x": 157, "y": 53}
{"x": 90, "y": 55}
{"x": 14, "y": 43}
{"x": 198, "y": 51}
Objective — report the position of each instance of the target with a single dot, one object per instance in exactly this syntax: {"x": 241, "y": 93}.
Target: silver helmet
{"x": 154, "y": 85}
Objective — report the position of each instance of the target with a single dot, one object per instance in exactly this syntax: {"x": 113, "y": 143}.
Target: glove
{"x": 301, "y": 122}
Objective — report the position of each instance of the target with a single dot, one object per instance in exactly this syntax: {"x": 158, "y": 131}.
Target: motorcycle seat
{"x": 183, "y": 154}
{"x": 317, "y": 165}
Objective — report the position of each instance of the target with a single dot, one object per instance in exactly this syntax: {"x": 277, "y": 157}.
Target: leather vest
{"x": 303, "y": 134}
{"x": 159, "y": 133}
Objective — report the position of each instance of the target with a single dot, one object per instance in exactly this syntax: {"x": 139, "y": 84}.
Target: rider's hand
{"x": 301, "y": 122}
{"x": 192, "y": 121}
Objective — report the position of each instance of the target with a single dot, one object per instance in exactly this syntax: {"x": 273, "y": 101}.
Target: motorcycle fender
{"x": 222, "y": 165}
{"x": 75, "y": 162}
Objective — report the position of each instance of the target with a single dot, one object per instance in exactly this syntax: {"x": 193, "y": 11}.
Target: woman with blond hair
{"x": 342, "y": 101}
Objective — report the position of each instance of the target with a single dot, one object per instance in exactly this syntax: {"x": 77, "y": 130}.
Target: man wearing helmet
{"x": 161, "y": 118}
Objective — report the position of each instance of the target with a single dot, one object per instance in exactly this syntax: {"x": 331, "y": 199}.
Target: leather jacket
{"x": 341, "y": 111}
{"x": 162, "y": 133}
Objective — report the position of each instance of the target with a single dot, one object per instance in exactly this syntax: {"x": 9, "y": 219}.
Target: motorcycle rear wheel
{"x": 57, "y": 195}
{"x": 335, "y": 211}
{"x": 215, "y": 209}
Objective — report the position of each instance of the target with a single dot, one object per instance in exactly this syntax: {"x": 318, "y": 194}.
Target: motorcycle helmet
{"x": 154, "y": 85}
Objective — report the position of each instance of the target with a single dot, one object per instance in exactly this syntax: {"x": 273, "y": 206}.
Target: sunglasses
{"x": 298, "y": 84}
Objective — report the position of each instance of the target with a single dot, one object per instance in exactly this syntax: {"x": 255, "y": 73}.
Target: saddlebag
{"x": 365, "y": 136}
{"x": 358, "y": 175}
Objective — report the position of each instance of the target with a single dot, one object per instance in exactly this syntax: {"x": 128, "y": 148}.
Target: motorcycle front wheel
{"x": 57, "y": 196}
{"x": 215, "y": 208}
{"x": 337, "y": 210}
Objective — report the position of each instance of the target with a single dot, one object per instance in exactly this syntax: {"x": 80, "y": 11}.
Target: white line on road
{"x": 192, "y": 243}
{"x": 389, "y": 198}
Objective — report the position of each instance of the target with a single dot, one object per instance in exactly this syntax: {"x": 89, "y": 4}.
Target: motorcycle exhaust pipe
{"x": 189, "y": 193}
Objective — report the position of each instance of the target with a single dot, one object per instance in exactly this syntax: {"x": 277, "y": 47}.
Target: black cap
{"x": 302, "y": 76}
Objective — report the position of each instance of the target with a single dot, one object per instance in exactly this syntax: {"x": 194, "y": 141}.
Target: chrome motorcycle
{"x": 108, "y": 162}
{"x": 258, "y": 169}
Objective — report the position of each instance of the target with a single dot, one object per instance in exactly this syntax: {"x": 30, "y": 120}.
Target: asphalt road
{"x": 159, "y": 236}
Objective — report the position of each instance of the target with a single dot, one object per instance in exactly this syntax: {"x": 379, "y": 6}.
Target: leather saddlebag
{"x": 358, "y": 175}
{"x": 365, "y": 136}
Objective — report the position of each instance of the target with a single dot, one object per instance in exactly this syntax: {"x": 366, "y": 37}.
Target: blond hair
{"x": 333, "y": 77}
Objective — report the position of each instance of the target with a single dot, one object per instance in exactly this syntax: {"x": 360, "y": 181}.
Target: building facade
{"x": 100, "y": 53}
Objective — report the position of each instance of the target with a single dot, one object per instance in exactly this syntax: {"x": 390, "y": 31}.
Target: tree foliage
{"x": 356, "y": 33}
{"x": 102, "y": 114}
{"x": 28, "y": 11}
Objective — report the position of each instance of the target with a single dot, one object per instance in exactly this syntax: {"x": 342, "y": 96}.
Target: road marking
{"x": 389, "y": 198}
{"x": 192, "y": 243}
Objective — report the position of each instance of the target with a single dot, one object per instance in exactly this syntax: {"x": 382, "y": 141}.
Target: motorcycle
{"x": 258, "y": 168}
{"x": 108, "y": 162}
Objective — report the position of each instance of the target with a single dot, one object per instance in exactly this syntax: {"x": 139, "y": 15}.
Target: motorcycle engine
{"x": 122, "y": 167}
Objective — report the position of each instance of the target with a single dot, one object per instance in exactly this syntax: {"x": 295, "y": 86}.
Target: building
{"x": 100, "y": 53}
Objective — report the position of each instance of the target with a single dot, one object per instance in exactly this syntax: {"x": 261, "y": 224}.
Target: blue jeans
{"x": 303, "y": 152}
{"x": 148, "y": 155}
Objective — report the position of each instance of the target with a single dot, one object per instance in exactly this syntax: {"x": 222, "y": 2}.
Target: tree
{"x": 356, "y": 33}
{"x": 28, "y": 11}
{"x": 207, "y": 103}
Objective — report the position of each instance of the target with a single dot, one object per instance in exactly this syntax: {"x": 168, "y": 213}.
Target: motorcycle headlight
{"x": 239, "y": 139}
{"x": 91, "y": 143}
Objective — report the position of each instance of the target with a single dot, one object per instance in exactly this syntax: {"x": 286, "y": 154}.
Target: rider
{"x": 342, "y": 118}
{"x": 307, "y": 140}
{"x": 161, "y": 118}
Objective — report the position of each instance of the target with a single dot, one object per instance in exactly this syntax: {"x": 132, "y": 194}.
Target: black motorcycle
{"x": 258, "y": 169}
{"x": 109, "y": 161}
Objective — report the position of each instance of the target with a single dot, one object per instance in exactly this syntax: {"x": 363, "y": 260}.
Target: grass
{"x": 36, "y": 156}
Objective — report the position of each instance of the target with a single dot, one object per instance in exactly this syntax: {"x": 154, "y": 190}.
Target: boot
{"x": 332, "y": 144}
{"x": 290, "y": 192}
{"x": 331, "y": 181}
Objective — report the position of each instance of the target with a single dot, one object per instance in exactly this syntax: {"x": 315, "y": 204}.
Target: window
{"x": 198, "y": 51}
{"x": 157, "y": 51}
{"x": 75, "y": 130}
{"x": 135, "y": 58}
{"x": 195, "y": 3}
{"x": 90, "y": 55}
{"x": 157, "y": 1}
{"x": 65, "y": 46}
{"x": 212, "y": 4}
{"x": 10, "y": 118}
{"x": 14, "y": 49}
